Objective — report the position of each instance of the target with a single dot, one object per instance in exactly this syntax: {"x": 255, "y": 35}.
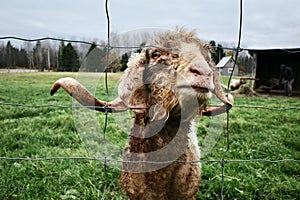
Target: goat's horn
{"x": 85, "y": 98}
{"x": 225, "y": 98}
{"x": 216, "y": 110}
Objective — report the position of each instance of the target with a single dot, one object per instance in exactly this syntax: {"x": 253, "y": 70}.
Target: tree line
{"x": 62, "y": 57}
{"x": 72, "y": 57}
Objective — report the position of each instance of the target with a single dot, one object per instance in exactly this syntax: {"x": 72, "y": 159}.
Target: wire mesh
{"x": 223, "y": 161}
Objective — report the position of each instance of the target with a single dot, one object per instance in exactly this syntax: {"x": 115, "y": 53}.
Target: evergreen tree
{"x": 10, "y": 55}
{"x": 69, "y": 60}
{"x": 21, "y": 59}
{"x": 95, "y": 59}
{"x": 123, "y": 62}
{"x": 92, "y": 47}
{"x": 217, "y": 51}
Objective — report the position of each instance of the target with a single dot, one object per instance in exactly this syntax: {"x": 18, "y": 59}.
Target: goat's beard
{"x": 190, "y": 102}
{"x": 183, "y": 103}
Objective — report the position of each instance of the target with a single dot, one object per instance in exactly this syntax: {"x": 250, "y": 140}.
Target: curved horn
{"x": 217, "y": 110}
{"x": 227, "y": 99}
{"x": 85, "y": 98}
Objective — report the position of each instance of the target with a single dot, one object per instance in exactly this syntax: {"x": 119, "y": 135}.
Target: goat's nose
{"x": 198, "y": 71}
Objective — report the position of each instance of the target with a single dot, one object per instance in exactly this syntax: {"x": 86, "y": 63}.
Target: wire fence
{"x": 105, "y": 160}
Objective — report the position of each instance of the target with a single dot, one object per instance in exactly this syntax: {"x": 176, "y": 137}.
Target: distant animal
{"x": 236, "y": 83}
{"x": 165, "y": 86}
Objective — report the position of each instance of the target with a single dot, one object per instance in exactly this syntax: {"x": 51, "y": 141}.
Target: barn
{"x": 266, "y": 65}
{"x": 225, "y": 66}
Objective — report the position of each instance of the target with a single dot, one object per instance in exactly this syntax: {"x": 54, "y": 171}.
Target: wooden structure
{"x": 225, "y": 66}
{"x": 267, "y": 65}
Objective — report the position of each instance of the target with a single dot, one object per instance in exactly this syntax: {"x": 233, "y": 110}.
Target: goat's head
{"x": 160, "y": 79}
{"x": 178, "y": 72}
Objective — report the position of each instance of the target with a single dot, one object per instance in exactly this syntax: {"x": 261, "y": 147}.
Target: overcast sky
{"x": 266, "y": 23}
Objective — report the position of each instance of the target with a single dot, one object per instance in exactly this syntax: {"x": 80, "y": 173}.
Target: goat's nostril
{"x": 196, "y": 71}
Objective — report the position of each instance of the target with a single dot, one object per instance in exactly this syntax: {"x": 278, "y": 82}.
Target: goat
{"x": 165, "y": 86}
{"x": 236, "y": 83}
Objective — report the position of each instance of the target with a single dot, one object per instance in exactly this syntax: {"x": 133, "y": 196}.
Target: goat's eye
{"x": 156, "y": 54}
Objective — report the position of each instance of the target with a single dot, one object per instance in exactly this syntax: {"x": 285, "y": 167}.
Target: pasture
{"x": 50, "y": 131}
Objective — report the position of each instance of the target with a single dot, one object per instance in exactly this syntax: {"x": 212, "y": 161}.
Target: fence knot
{"x": 223, "y": 162}
{"x": 106, "y": 109}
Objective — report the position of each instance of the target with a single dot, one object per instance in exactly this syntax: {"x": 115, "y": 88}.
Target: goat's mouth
{"x": 200, "y": 89}
{"x": 197, "y": 89}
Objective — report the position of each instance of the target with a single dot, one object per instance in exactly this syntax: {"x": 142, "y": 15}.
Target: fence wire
{"x": 223, "y": 161}
{"x": 103, "y": 107}
{"x": 105, "y": 159}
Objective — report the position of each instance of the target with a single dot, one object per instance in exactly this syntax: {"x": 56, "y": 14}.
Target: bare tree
{"x": 28, "y": 46}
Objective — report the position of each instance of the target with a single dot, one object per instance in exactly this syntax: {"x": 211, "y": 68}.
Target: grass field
{"x": 39, "y": 132}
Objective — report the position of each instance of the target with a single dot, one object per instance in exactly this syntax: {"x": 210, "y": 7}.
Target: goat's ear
{"x": 132, "y": 89}
{"x": 140, "y": 104}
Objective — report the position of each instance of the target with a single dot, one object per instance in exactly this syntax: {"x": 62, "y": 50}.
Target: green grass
{"x": 28, "y": 132}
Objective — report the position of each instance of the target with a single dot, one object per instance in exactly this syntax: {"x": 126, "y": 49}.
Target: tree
{"x": 69, "y": 60}
{"x": 123, "y": 62}
{"x": 27, "y": 46}
{"x": 92, "y": 47}
{"x": 2, "y": 55}
{"x": 59, "y": 56}
{"x": 217, "y": 51}
{"x": 10, "y": 55}
{"x": 37, "y": 55}
{"x": 95, "y": 59}
{"x": 245, "y": 62}
{"x": 21, "y": 58}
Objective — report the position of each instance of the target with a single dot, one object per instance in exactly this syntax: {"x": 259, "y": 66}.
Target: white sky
{"x": 266, "y": 23}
